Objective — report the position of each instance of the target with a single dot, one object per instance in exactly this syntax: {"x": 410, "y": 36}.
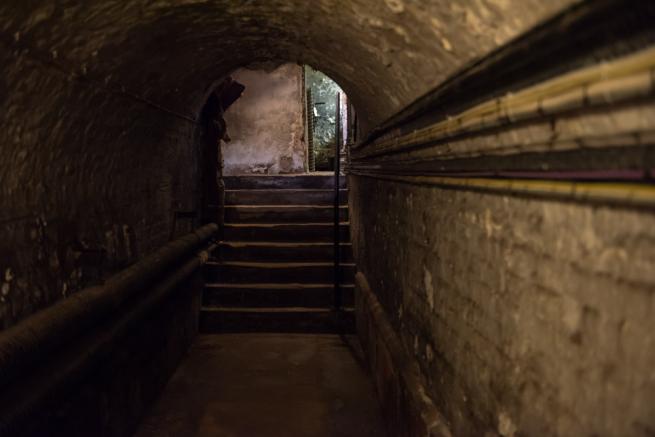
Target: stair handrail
{"x": 338, "y": 299}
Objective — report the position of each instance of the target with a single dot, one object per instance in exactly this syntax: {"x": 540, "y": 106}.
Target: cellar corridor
{"x": 484, "y": 267}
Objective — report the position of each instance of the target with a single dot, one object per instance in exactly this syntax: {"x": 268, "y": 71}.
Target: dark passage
{"x": 273, "y": 273}
{"x": 167, "y": 264}
{"x": 287, "y": 385}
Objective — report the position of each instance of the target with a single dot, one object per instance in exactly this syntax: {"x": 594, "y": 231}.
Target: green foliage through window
{"x": 324, "y": 92}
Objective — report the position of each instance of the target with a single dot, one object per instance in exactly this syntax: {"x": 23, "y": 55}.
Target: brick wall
{"x": 93, "y": 159}
{"x": 524, "y": 314}
{"x": 509, "y": 241}
{"x": 89, "y": 181}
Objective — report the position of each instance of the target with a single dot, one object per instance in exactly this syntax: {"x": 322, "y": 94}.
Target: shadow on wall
{"x": 266, "y": 125}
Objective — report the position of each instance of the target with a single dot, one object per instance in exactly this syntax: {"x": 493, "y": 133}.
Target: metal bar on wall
{"x": 79, "y": 332}
{"x": 613, "y": 192}
{"x": 337, "y": 176}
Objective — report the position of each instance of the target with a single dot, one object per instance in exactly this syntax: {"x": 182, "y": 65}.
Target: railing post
{"x": 337, "y": 224}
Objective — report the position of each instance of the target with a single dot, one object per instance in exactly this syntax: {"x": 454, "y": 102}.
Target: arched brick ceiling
{"x": 384, "y": 53}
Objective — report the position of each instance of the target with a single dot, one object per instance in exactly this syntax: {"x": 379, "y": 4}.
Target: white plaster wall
{"x": 266, "y": 124}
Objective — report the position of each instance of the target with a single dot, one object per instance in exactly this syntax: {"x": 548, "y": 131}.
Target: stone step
{"x": 285, "y": 232}
{"x": 282, "y": 213}
{"x": 275, "y": 295}
{"x": 290, "y": 319}
{"x": 281, "y": 251}
{"x": 276, "y": 272}
{"x": 299, "y": 181}
{"x": 284, "y": 197}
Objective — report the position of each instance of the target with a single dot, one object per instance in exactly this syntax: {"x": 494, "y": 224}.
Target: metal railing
{"x": 338, "y": 298}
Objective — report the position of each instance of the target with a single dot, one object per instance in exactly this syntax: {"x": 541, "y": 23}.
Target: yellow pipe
{"x": 621, "y": 192}
{"x": 623, "y": 77}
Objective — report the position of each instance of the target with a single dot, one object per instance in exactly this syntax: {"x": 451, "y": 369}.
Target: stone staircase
{"x": 274, "y": 270}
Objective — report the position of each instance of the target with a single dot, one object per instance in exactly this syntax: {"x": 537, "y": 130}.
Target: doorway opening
{"x": 285, "y": 122}
{"x": 327, "y": 108}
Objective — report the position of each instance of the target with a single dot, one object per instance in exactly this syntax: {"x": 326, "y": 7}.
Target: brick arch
{"x": 385, "y": 54}
{"x": 100, "y": 131}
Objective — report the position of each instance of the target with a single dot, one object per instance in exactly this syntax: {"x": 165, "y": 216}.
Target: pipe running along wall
{"x": 103, "y": 102}
{"x": 524, "y": 315}
{"x": 49, "y": 358}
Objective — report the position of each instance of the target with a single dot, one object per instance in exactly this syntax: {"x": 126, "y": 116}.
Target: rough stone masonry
{"x": 101, "y": 102}
{"x": 526, "y": 315}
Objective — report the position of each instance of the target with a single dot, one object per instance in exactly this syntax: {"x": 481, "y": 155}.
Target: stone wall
{"x": 524, "y": 315}
{"x": 266, "y": 124}
{"x": 383, "y": 54}
{"x": 509, "y": 244}
{"x": 527, "y": 315}
{"x": 101, "y": 99}
{"x": 108, "y": 396}
{"x": 89, "y": 183}
{"x": 506, "y": 228}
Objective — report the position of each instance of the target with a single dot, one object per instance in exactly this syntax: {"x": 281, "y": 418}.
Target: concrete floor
{"x": 266, "y": 385}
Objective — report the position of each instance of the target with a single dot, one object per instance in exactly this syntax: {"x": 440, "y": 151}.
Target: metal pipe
{"x": 337, "y": 170}
{"x": 645, "y": 175}
{"x": 22, "y": 399}
{"x": 406, "y": 368}
{"x": 594, "y": 30}
{"x": 621, "y": 80}
{"x": 615, "y": 193}
{"x": 31, "y": 341}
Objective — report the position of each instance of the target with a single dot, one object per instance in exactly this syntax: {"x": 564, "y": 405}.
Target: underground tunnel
{"x": 472, "y": 255}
